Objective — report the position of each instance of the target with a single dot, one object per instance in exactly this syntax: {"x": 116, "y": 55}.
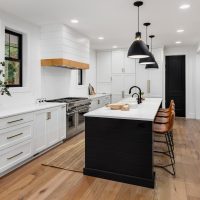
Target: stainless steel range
{"x": 76, "y": 108}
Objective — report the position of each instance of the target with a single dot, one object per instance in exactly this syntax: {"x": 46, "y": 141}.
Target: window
{"x": 80, "y": 77}
{"x": 13, "y": 59}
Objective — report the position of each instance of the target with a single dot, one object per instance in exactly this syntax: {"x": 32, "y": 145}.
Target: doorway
{"x": 175, "y": 83}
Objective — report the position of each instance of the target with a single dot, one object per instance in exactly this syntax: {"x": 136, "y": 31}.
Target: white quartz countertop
{"x": 145, "y": 111}
{"x": 7, "y": 111}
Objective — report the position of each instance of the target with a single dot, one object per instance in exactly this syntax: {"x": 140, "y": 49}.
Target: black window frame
{"x": 20, "y": 59}
{"x": 80, "y": 77}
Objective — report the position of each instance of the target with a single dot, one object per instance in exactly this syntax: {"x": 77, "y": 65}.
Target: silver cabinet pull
{"x": 14, "y": 136}
{"x": 71, "y": 113}
{"x": 148, "y": 86}
{"x": 15, "y": 155}
{"x": 18, "y": 120}
{"x": 123, "y": 95}
{"x": 98, "y": 101}
{"x": 48, "y": 115}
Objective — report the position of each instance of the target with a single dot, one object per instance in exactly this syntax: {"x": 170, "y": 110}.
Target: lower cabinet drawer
{"x": 15, "y": 120}
{"x": 14, "y": 155}
{"x": 15, "y": 135}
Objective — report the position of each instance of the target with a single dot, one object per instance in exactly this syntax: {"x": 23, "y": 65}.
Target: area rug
{"x": 71, "y": 157}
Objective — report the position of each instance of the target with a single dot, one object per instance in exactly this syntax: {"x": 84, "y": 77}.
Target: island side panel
{"x": 119, "y": 147}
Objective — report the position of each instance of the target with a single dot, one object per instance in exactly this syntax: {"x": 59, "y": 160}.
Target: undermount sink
{"x": 132, "y": 102}
{"x": 129, "y": 100}
{"x": 133, "y": 105}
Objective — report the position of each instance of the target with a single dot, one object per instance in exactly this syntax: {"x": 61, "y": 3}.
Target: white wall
{"x": 60, "y": 41}
{"x": 31, "y": 62}
{"x": 190, "y": 53}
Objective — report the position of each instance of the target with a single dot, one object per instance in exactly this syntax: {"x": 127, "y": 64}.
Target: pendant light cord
{"x": 146, "y": 36}
{"x": 151, "y": 45}
{"x": 138, "y": 19}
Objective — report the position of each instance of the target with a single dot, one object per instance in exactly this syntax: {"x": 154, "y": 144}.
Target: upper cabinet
{"x": 121, "y": 63}
{"x": 117, "y": 62}
{"x": 63, "y": 47}
{"x": 104, "y": 66}
{"x": 115, "y": 73}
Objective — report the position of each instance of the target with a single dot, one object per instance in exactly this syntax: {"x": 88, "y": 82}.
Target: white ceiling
{"x": 116, "y": 20}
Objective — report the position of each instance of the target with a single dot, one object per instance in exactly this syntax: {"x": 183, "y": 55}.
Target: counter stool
{"x": 164, "y": 119}
{"x": 166, "y": 112}
{"x": 167, "y": 109}
{"x": 166, "y": 130}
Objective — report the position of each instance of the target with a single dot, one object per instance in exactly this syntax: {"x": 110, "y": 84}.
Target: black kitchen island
{"x": 119, "y": 144}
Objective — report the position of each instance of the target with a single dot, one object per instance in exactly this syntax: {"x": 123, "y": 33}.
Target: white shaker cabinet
{"x": 40, "y": 137}
{"x": 29, "y": 130}
{"x": 100, "y": 101}
{"x": 117, "y": 87}
{"x": 121, "y": 84}
{"x": 104, "y": 67}
{"x": 129, "y": 64}
{"x": 117, "y": 62}
{"x": 129, "y": 81}
{"x": 49, "y": 127}
{"x": 121, "y": 63}
{"x": 122, "y": 69}
{"x": 52, "y": 126}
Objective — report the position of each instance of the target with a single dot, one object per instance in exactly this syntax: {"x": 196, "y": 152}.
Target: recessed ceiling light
{"x": 180, "y": 31}
{"x": 74, "y": 21}
{"x": 178, "y": 42}
{"x": 101, "y": 38}
{"x": 184, "y": 6}
{"x": 115, "y": 46}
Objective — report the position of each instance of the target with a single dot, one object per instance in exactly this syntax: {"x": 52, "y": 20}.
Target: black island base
{"x": 119, "y": 150}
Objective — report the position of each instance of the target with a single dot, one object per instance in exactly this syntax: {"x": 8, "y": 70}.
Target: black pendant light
{"x": 138, "y": 49}
{"x": 152, "y": 66}
{"x": 150, "y": 59}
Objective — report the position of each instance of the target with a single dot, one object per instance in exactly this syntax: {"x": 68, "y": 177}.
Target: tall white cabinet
{"x": 104, "y": 71}
{"x": 116, "y": 74}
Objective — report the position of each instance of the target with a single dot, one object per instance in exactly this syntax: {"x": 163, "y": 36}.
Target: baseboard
{"x": 149, "y": 183}
{"x": 191, "y": 116}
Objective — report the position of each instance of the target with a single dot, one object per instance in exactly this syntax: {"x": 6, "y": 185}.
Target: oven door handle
{"x": 71, "y": 113}
{"x": 82, "y": 109}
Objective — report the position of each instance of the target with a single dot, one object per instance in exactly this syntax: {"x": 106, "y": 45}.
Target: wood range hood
{"x": 65, "y": 63}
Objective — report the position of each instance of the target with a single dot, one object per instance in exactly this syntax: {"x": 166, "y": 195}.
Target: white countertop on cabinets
{"x": 145, "y": 111}
{"x": 97, "y": 96}
{"x": 7, "y": 111}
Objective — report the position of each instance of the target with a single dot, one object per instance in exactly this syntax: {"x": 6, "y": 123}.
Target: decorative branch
{"x": 4, "y": 89}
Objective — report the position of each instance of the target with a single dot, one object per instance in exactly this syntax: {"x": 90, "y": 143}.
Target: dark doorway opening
{"x": 175, "y": 83}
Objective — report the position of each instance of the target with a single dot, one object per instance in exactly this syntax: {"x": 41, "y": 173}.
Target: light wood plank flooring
{"x": 36, "y": 182}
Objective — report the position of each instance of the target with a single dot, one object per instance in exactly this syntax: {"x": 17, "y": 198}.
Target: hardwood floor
{"x": 36, "y": 182}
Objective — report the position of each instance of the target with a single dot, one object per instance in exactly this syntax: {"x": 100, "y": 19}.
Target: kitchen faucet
{"x": 139, "y": 95}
